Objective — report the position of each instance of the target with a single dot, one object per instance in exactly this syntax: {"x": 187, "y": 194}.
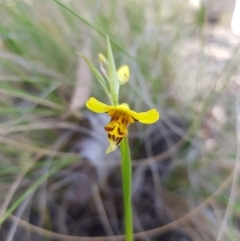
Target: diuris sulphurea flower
{"x": 121, "y": 117}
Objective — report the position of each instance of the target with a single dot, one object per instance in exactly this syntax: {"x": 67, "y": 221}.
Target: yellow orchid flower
{"x": 121, "y": 116}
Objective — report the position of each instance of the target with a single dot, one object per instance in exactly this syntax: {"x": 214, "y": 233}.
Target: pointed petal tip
{"x": 110, "y": 149}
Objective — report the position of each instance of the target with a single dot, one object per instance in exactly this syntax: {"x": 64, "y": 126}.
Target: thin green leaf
{"x": 92, "y": 27}
{"x": 36, "y": 184}
{"x": 24, "y": 95}
{"x": 98, "y": 76}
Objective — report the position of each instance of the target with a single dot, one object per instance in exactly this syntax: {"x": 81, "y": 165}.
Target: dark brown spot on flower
{"x": 109, "y": 136}
{"x": 109, "y": 128}
{"x": 118, "y": 141}
{"x": 119, "y": 132}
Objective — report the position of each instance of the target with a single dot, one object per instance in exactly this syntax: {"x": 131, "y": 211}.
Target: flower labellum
{"x": 121, "y": 116}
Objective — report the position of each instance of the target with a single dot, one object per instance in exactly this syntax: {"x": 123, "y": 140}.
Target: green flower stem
{"x": 127, "y": 188}
{"x": 112, "y": 75}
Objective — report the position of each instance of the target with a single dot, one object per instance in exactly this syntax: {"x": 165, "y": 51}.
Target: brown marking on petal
{"x": 109, "y": 128}
{"x": 118, "y": 141}
{"x": 119, "y": 132}
{"x": 113, "y": 138}
{"x": 134, "y": 119}
{"x": 109, "y": 136}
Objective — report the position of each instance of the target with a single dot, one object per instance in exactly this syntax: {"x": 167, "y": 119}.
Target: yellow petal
{"x": 97, "y": 106}
{"x": 118, "y": 128}
{"x": 114, "y": 143}
{"x": 123, "y": 107}
{"x": 148, "y": 117}
{"x": 112, "y": 146}
{"x": 110, "y": 149}
{"x": 123, "y": 74}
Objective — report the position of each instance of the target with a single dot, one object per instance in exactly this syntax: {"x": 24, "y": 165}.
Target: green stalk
{"x": 112, "y": 74}
{"x": 127, "y": 188}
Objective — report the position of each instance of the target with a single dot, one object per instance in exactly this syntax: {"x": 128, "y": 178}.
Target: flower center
{"x": 118, "y": 125}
